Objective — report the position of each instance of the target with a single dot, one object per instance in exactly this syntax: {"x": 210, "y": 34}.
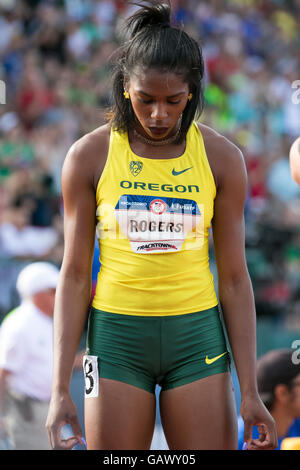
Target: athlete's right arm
{"x": 74, "y": 287}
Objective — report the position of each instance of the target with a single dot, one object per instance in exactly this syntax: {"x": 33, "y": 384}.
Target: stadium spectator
{"x": 278, "y": 380}
{"x": 26, "y": 357}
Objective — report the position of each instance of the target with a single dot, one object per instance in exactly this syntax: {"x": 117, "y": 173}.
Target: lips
{"x": 158, "y": 130}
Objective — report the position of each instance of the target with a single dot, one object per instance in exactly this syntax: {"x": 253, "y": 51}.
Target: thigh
{"x": 121, "y": 417}
{"x": 200, "y": 415}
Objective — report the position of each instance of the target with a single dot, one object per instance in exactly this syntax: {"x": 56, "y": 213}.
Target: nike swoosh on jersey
{"x": 213, "y": 359}
{"x": 176, "y": 173}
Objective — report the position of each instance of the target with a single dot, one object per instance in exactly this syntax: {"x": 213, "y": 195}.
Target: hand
{"x": 63, "y": 411}
{"x": 254, "y": 413}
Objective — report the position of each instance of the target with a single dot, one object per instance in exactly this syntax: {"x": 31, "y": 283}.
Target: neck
{"x": 283, "y": 420}
{"x": 139, "y": 134}
{"x": 43, "y": 308}
{"x": 157, "y": 143}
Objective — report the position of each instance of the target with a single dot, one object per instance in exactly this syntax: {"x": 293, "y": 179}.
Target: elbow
{"x": 234, "y": 284}
{"x": 76, "y": 275}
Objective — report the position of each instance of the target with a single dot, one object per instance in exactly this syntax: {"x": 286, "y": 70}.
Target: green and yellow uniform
{"x": 155, "y": 290}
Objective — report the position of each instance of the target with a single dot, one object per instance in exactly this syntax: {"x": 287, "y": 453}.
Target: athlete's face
{"x": 158, "y": 100}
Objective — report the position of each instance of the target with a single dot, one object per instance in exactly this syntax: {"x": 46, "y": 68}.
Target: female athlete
{"x": 152, "y": 181}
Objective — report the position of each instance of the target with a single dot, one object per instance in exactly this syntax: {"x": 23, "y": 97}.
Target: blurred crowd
{"x": 56, "y": 63}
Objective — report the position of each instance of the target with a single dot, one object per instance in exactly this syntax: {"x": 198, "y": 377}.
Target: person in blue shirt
{"x": 278, "y": 380}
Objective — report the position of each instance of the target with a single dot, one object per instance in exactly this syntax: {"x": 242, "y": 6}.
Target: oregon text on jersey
{"x": 180, "y": 188}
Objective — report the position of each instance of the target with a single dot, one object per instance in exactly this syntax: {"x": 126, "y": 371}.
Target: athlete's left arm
{"x": 235, "y": 288}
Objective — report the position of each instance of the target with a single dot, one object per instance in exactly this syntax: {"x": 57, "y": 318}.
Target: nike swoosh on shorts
{"x": 213, "y": 359}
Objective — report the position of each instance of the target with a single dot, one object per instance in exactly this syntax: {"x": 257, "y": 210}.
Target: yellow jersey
{"x": 153, "y": 222}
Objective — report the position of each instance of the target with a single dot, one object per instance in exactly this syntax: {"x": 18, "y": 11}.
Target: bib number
{"x": 91, "y": 376}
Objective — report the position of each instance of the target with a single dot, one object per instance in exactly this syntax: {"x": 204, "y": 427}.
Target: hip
{"x": 164, "y": 350}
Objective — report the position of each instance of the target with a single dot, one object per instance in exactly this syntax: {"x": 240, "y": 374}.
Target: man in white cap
{"x": 26, "y": 359}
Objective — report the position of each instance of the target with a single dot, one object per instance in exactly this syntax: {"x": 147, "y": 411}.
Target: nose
{"x": 159, "y": 111}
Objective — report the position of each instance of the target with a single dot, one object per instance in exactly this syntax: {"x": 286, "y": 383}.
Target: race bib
{"x": 158, "y": 224}
{"x": 91, "y": 376}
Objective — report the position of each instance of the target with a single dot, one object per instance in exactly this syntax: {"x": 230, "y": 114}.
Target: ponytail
{"x": 147, "y": 16}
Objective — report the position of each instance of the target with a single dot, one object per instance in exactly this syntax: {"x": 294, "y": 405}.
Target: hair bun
{"x": 155, "y": 14}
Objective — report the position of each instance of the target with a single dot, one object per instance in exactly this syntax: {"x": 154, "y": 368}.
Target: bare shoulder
{"x": 87, "y": 156}
{"x": 225, "y": 158}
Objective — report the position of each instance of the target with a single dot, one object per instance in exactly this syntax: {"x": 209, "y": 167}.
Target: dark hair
{"x": 274, "y": 368}
{"x": 154, "y": 43}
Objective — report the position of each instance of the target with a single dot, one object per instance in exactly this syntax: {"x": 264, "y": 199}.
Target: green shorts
{"x": 146, "y": 350}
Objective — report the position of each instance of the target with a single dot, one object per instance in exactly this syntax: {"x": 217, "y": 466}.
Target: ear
{"x": 282, "y": 393}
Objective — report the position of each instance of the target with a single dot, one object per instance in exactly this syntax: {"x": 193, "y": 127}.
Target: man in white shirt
{"x": 26, "y": 359}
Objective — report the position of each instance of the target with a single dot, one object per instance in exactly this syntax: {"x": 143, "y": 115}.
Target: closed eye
{"x": 145, "y": 101}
